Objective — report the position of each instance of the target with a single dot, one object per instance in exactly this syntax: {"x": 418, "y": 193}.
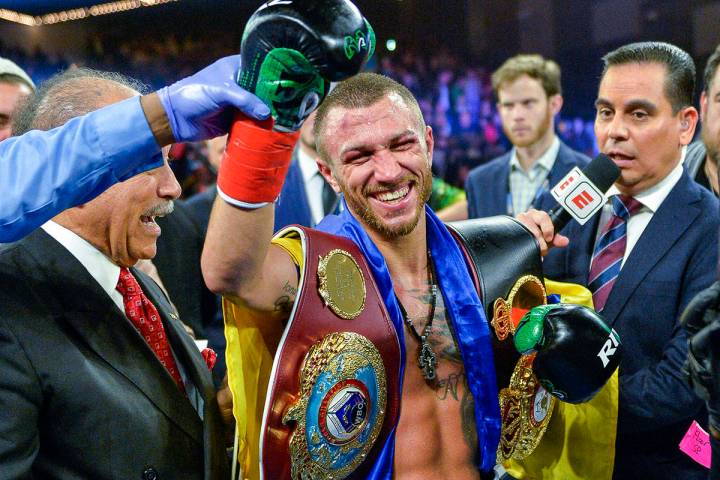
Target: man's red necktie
{"x": 143, "y": 314}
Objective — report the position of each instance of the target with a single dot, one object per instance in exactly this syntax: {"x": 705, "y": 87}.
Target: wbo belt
{"x": 334, "y": 391}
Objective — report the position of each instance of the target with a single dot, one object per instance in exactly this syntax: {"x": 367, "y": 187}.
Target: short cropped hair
{"x": 360, "y": 91}
{"x": 70, "y": 94}
{"x": 680, "y": 78}
{"x": 547, "y": 72}
{"x": 710, "y": 69}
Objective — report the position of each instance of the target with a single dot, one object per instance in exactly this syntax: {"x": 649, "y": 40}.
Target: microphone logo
{"x": 578, "y": 196}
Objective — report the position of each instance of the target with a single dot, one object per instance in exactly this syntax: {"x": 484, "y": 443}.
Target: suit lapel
{"x": 500, "y": 189}
{"x": 97, "y": 322}
{"x": 182, "y": 344}
{"x": 195, "y": 368}
{"x": 668, "y": 224}
{"x": 563, "y": 164}
{"x": 582, "y": 242}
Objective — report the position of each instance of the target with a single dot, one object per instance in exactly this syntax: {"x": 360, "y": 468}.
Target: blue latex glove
{"x": 203, "y": 105}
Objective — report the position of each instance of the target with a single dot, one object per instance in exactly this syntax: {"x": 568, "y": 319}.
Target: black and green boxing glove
{"x": 576, "y": 351}
{"x": 291, "y": 50}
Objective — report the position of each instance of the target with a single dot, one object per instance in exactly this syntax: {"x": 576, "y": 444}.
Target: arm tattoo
{"x": 285, "y": 302}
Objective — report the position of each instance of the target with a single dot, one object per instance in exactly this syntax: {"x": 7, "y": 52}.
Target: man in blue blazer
{"x": 529, "y": 96}
{"x": 668, "y": 255}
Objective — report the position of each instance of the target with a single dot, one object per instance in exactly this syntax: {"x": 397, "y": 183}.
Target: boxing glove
{"x": 292, "y": 50}
{"x": 701, "y": 320}
{"x": 575, "y": 351}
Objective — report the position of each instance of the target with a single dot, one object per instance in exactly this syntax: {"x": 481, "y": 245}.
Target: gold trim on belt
{"x": 525, "y": 409}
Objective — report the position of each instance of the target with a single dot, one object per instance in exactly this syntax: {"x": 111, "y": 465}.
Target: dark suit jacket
{"x": 82, "y": 394}
{"x": 178, "y": 263}
{"x": 674, "y": 259}
{"x": 292, "y": 206}
{"x": 487, "y": 186}
{"x": 199, "y": 207}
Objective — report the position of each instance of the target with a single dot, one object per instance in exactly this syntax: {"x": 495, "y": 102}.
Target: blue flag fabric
{"x": 466, "y": 314}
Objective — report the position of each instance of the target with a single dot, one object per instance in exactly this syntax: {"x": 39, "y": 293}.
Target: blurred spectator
{"x": 15, "y": 86}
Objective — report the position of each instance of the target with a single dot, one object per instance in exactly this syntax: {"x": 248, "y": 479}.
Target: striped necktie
{"x": 610, "y": 249}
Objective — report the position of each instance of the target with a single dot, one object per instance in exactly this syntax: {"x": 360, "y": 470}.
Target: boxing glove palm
{"x": 576, "y": 352}
{"x": 291, "y": 51}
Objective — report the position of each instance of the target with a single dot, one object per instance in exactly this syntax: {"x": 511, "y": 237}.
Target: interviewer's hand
{"x": 540, "y": 225}
{"x": 203, "y": 105}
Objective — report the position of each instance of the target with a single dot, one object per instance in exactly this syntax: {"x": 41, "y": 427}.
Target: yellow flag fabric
{"x": 579, "y": 442}
{"x": 252, "y": 339}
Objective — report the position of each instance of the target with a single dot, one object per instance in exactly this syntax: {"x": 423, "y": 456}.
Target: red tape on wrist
{"x": 255, "y": 161}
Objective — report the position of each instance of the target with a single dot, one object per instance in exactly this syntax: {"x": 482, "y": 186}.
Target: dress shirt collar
{"x": 105, "y": 272}
{"x": 653, "y": 197}
{"x": 308, "y": 165}
{"x": 546, "y": 160}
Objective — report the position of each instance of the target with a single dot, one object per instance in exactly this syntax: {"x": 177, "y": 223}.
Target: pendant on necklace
{"x": 427, "y": 361}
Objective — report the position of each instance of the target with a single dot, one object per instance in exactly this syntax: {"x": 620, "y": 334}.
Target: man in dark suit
{"x": 99, "y": 379}
{"x": 529, "y": 96}
{"x": 703, "y": 155}
{"x": 653, "y": 248}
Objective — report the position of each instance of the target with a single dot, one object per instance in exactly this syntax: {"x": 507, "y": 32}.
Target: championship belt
{"x": 334, "y": 393}
{"x": 504, "y": 260}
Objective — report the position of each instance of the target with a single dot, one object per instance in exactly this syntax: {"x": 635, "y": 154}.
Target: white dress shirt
{"x": 105, "y": 272}
{"x": 651, "y": 200}
{"x": 313, "y": 185}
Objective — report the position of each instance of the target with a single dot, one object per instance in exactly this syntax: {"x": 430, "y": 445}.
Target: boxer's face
{"x": 381, "y": 159}
{"x": 636, "y": 127}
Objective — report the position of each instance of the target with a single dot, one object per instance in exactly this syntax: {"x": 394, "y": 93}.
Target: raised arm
{"x": 237, "y": 259}
{"x": 43, "y": 173}
{"x": 239, "y": 262}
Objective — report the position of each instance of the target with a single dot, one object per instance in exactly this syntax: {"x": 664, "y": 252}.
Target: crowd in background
{"x": 456, "y": 97}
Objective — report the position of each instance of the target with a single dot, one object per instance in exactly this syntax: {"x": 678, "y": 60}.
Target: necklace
{"x": 427, "y": 360}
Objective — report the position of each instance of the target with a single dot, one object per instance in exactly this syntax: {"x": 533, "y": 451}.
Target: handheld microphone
{"x": 602, "y": 173}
